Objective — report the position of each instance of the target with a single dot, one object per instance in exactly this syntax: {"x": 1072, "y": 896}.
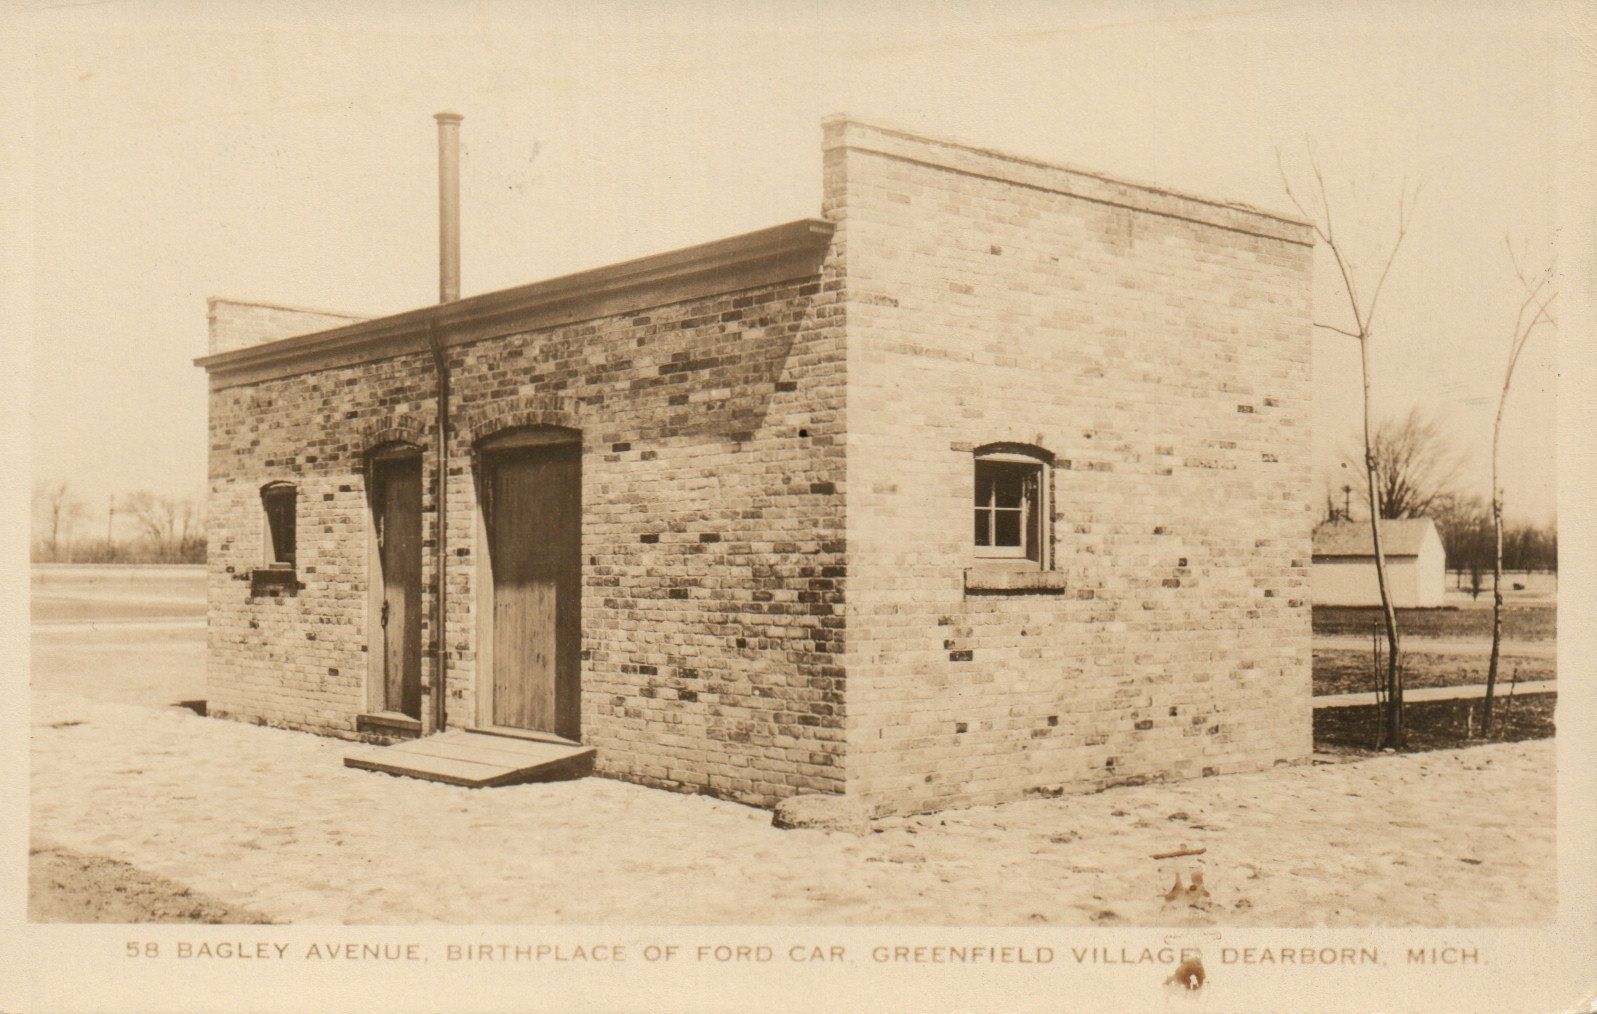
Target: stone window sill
{"x": 1001, "y": 580}
{"x": 285, "y": 578}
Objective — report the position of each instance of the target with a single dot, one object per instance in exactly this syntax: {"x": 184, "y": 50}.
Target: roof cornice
{"x": 781, "y": 252}
{"x": 845, "y": 132}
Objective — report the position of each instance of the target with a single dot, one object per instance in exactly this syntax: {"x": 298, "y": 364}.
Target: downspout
{"x": 448, "y": 292}
{"x": 440, "y": 548}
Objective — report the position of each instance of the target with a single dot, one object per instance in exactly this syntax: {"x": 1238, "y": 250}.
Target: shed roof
{"x": 778, "y": 253}
{"x": 1399, "y": 537}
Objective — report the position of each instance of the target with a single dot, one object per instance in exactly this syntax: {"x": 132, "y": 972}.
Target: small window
{"x": 278, "y": 499}
{"x": 1009, "y": 507}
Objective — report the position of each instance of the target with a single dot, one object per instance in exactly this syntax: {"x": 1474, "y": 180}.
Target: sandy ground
{"x": 144, "y": 811}
{"x": 132, "y": 662}
{"x": 272, "y": 821}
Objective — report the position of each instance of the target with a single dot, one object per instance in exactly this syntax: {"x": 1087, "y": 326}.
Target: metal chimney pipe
{"x": 448, "y": 292}
{"x": 448, "y": 206}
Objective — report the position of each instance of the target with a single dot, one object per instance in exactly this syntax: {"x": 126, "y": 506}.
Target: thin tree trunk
{"x": 1394, "y": 676}
{"x": 1364, "y": 320}
{"x": 1522, "y": 332}
{"x": 1497, "y": 567}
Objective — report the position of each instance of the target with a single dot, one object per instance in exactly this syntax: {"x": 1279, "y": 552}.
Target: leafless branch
{"x": 1403, "y": 210}
{"x": 1338, "y": 330}
{"x": 1517, "y": 339}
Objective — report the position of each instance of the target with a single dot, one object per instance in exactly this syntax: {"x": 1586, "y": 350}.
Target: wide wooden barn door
{"x": 396, "y": 503}
{"x": 534, "y": 522}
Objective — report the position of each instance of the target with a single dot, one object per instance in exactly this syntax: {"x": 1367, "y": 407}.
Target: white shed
{"x": 1344, "y": 563}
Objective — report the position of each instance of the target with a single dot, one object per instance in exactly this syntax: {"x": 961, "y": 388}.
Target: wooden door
{"x": 534, "y": 523}
{"x": 396, "y": 488}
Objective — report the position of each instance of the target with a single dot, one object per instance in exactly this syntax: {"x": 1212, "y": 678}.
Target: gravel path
{"x": 273, "y": 822}
{"x": 1453, "y": 693}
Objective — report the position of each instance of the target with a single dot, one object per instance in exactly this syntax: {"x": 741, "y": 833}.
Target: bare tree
{"x": 61, "y": 508}
{"x": 1332, "y": 511}
{"x": 1465, "y": 525}
{"x": 166, "y": 521}
{"x": 1532, "y": 311}
{"x": 1363, "y": 331}
{"x": 1416, "y": 465}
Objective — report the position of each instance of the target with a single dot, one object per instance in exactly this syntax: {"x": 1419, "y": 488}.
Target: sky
{"x": 286, "y": 154}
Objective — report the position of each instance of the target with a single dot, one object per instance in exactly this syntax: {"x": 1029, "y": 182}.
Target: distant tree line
{"x": 1465, "y": 525}
{"x": 164, "y": 529}
{"x": 1417, "y": 472}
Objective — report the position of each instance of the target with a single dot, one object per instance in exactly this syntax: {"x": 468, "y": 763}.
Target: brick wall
{"x": 713, "y": 564}
{"x": 236, "y": 325}
{"x": 712, "y": 532}
{"x": 297, "y": 656}
{"x": 1159, "y": 347}
{"x": 748, "y": 452}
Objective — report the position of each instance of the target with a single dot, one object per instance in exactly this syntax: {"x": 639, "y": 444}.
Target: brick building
{"x": 991, "y": 481}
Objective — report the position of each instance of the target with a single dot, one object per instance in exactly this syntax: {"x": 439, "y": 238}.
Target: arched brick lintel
{"x": 477, "y": 425}
{"x": 395, "y": 430}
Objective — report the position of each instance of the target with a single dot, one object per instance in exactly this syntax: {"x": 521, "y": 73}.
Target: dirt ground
{"x": 1436, "y": 725}
{"x": 1522, "y": 621}
{"x": 1344, "y": 671}
{"x": 259, "y": 823}
{"x": 67, "y": 886}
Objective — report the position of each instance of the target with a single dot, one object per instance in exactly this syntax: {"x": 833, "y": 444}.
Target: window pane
{"x": 280, "y": 522}
{"x": 982, "y": 538}
{"x": 1006, "y": 528}
{"x": 1033, "y": 523}
{"x": 1009, "y": 485}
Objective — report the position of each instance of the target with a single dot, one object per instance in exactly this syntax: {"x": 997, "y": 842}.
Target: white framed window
{"x": 1010, "y": 505}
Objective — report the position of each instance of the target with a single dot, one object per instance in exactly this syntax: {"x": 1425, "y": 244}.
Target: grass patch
{"x": 1436, "y": 725}
{"x": 1520, "y": 622}
{"x": 1341, "y": 671}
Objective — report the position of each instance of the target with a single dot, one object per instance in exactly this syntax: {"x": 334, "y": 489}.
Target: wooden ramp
{"x": 476, "y": 759}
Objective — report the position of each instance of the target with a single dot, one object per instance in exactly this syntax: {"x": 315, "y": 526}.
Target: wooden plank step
{"x": 487, "y": 752}
{"x": 506, "y": 732}
{"x": 475, "y": 760}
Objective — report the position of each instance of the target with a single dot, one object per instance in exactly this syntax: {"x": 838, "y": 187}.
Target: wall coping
{"x": 846, "y": 132}
{"x": 778, "y": 253}
{"x": 214, "y": 301}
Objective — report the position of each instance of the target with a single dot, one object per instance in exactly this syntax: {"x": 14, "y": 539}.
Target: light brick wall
{"x": 297, "y": 657}
{"x": 712, "y": 532}
{"x": 713, "y": 564}
{"x": 237, "y": 325}
{"x": 746, "y": 454}
{"x": 1159, "y": 347}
